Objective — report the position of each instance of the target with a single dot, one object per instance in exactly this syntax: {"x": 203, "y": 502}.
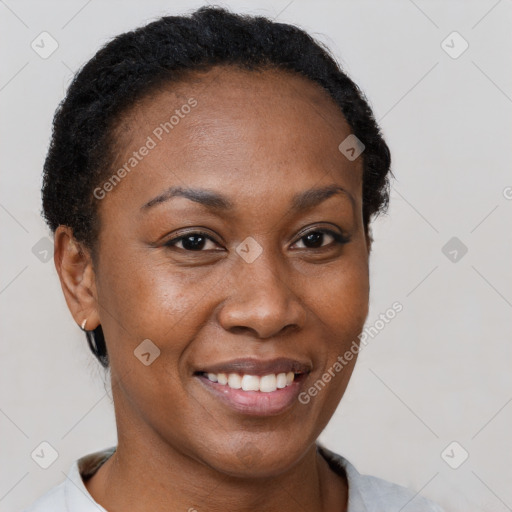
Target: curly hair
{"x": 136, "y": 63}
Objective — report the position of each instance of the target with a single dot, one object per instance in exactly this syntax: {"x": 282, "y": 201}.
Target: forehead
{"x": 249, "y": 130}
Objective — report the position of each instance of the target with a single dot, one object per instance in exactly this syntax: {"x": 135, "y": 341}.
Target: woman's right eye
{"x": 194, "y": 242}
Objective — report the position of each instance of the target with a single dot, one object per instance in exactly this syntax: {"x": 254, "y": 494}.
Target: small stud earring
{"x": 83, "y": 325}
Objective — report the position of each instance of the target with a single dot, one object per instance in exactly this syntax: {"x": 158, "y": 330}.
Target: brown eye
{"x": 314, "y": 239}
{"x": 195, "y": 241}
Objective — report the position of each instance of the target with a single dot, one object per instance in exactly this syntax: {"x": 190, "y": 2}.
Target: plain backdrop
{"x": 434, "y": 386}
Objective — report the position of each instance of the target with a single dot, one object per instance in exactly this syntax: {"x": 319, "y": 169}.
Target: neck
{"x": 188, "y": 484}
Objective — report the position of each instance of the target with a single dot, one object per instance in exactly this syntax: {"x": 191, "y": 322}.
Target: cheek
{"x": 151, "y": 310}
{"x": 149, "y": 299}
{"x": 340, "y": 298}
{"x": 150, "y": 302}
{"x": 342, "y": 308}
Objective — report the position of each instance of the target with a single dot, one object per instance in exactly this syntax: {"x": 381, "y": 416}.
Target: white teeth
{"x": 250, "y": 383}
{"x": 281, "y": 380}
{"x": 265, "y": 383}
{"x": 268, "y": 383}
{"x": 234, "y": 381}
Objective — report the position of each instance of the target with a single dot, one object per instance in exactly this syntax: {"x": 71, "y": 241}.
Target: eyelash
{"x": 339, "y": 239}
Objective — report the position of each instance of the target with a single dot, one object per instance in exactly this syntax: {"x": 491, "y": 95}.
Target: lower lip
{"x": 256, "y": 403}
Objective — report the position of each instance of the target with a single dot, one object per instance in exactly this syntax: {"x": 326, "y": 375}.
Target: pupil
{"x": 191, "y": 246}
{"x": 315, "y": 238}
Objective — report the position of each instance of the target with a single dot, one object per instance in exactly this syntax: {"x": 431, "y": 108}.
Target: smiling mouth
{"x": 261, "y": 396}
{"x": 246, "y": 382}
{"x": 250, "y": 374}
{"x": 253, "y": 386}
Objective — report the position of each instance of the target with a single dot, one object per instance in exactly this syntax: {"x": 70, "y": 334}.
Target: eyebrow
{"x": 216, "y": 201}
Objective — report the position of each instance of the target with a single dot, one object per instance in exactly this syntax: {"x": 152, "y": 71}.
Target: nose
{"x": 261, "y": 300}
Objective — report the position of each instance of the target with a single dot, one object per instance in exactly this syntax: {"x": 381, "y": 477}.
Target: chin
{"x": 249, "y": 459}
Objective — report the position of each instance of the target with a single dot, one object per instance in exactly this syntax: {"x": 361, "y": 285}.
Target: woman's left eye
{"x": 314, "y": 239}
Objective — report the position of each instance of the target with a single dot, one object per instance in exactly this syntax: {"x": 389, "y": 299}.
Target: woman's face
{"x": 254, "y": 286}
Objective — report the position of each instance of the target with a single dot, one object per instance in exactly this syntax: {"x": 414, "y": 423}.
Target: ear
{"x": 74, "y": 266}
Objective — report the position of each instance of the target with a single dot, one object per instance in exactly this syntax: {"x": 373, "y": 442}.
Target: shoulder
{"x": 371, "y": 494}
{"x": 71, "y": 494}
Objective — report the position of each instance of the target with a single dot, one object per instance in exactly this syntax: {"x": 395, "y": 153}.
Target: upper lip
{"x": 251, "y": 366}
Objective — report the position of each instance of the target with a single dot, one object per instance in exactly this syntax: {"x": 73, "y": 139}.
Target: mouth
{"x": 255, "y": 387}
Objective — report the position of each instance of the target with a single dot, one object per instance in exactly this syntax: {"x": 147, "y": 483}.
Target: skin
{"x": 258, "y": 138}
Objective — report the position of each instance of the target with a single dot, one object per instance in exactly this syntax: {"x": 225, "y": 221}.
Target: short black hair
{"x": 135, "y": 63}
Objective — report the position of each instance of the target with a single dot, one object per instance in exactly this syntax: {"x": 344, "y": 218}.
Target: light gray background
{"x": 439, "y": 372}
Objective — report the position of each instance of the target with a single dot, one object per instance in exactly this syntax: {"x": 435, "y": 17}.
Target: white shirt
{"x": 365, "y": 493}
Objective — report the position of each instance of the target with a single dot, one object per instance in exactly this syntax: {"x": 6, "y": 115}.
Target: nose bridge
{"x": 260, "y": 297}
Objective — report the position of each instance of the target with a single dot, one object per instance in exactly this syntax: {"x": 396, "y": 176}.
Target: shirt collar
{"x": 77, "y": 496}
{"x": 356, "y": 501}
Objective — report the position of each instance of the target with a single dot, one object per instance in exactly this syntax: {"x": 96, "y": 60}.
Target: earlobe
{"x": 74, "y": 267}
